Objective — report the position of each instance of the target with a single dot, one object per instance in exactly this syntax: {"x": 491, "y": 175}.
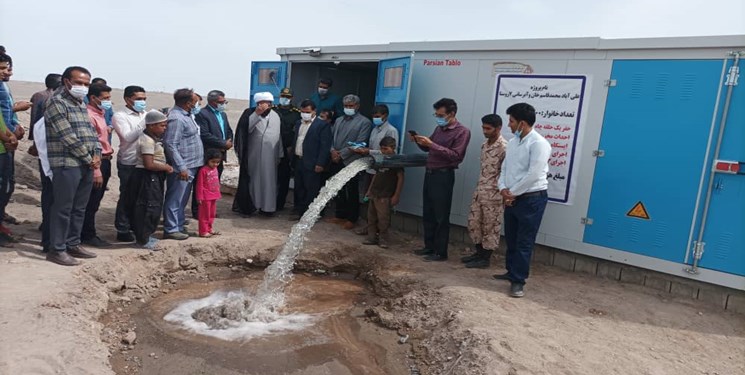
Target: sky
{"x": 163, "y": 45}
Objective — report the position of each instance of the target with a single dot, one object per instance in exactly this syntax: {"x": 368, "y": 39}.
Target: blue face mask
{"x": 221, "y": 107}
{"x": 196, "y": 109}
{"x": 139, "y": 105}
{"x": 377, "y": 121}
{"x": 284, "y": 101}
{"x": 441, "y": 121}
{"x": 518, "y": 132}
{"x": 106, "y": 105}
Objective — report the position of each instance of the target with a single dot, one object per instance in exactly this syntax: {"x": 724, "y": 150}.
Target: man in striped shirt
{"x": 74, "y": 153}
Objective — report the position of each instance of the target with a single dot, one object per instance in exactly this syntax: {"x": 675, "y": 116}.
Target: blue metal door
{"x": 392, "y": 89}
{"x": 724, "y": 234}
{"x": 656, "y": 128}
{"x": 268, "y": 76}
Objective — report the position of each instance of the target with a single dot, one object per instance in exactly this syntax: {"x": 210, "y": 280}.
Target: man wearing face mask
{"x": 74, "y": 153}
{"x": 99, "y": 101}
{"x": 381, "y": 128}
{"x": 289, "y": 115}
{"x": 215, "y": 132}
{"x": 352, "y": 127}
{"x": 312, "y": 142}
{"x": 446, "y": 148}
{"x": 185, "y": 152}
{"x": 327, "y": 100}
{"x": 128, "y": 125}
{"x": 523, "y": 185}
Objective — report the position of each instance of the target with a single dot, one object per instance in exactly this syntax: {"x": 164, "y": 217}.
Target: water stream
{"x": 265, "y": 304}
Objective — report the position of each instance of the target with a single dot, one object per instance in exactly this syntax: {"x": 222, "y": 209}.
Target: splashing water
{"x": 270, "y": 296}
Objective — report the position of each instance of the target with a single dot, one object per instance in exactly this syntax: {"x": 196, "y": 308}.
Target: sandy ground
{"x": 460, "y": 321}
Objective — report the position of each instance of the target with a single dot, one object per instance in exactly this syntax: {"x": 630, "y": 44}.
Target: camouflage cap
{"x": 286, "y": 92}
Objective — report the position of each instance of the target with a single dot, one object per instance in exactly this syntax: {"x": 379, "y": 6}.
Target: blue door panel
{"x": 654, "y": 136}
{"x": 268, "y": 76}
{"x": 392, "y": 89}
{"x": 724, "y": 235}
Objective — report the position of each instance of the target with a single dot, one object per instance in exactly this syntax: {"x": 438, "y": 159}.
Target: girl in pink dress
{"x": 208, "y": 192}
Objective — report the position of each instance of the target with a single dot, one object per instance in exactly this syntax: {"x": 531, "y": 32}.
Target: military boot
{"x": 482, "y": 262}
{"x": 475, "y": 256}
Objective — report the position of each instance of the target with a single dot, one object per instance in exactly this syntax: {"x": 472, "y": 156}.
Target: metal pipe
{"x": 731, "y": 83}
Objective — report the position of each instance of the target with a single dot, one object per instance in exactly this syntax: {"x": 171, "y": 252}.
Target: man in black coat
{"x": 312, "y": 143}
{"x": 215, "y": 132}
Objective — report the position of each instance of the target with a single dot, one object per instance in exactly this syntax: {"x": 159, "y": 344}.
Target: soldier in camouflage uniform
{"x": 485, "y": 217}
{"x": 289, "y": 115}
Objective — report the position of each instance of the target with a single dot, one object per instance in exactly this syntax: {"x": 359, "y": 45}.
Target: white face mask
{"x": 79, "y": 91}
{"x": 306, "y": 116}
{"x": 322, "y": 91}
{"x": 350, "y": 111}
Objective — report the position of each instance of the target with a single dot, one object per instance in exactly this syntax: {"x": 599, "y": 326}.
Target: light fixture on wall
{"x": 315, "y": 51}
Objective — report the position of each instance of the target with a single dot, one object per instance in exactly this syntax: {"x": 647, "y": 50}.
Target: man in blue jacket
{"x": 311, "y": 150}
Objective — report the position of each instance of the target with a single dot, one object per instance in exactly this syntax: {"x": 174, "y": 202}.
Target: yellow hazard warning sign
{"x": 638, "y": 211}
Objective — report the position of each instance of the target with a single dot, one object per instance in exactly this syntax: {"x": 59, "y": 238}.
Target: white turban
{"x": 263, "y": 97}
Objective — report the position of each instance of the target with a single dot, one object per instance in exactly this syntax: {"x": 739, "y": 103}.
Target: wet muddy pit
{"x": 323, "y": 331}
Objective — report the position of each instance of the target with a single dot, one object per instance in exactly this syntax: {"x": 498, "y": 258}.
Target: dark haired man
{"x": 289, "y": 116}
{"x": 74, "y": 152}
{"x": 52, "y": 82}
{"x": 485, "y": 217}
{"x": 185, "y": 153}
{"x": 312, "y": 141}
{"x": 128, "y": 124}
{"x": 327, "y": 100}
{"x": 523, "y": 185}
{"x": 446, "y": 148}
{"x": 99, "y": 100}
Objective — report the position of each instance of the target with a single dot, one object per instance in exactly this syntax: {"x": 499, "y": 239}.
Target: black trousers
{"x": 145, "y": 203}
{"x": 121, "y": 220}
{"x": 94, "y": 202}
{"x": 47, "y": 198}
{"x": 438, "y": 197}
{"x": 348, "y": 199}
{"x": 194, "y": 205}
{"x": 307, "y": 186}
{"x": 7, "y": 180}
{"x": 284, "y": 173}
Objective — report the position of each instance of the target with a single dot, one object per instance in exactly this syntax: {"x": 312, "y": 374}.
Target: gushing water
{"x": 270, "y": 296}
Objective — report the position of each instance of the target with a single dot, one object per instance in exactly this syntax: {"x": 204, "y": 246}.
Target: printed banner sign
{"x": 557, "y": 100}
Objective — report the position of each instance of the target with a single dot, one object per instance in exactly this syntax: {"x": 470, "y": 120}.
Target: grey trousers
{"x": 72, "y": 187}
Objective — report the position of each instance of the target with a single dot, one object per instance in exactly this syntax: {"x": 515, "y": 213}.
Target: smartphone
{"x": 413, "y": 133}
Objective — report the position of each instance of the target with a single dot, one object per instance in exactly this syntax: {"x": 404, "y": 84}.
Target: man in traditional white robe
{"x": 264, "y": 151}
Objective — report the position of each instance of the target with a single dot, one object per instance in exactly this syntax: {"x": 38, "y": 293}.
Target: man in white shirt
{"x": 523, "y": 185}
{"x": 128, "y": 125}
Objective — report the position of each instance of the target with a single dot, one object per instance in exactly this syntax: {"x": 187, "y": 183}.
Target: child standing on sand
{"x": 208, "y": 192}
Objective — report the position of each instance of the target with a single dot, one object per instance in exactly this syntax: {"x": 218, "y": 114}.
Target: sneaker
{"x": 125, "y": 237}
{"x": 97, "y": 242}
{"x": 516, "y": 290}
{"x": 178, "y": 236}
{"x": 382, "y": 242}
{"x": 152, "y": 244}
{"x": 80, "y": 252}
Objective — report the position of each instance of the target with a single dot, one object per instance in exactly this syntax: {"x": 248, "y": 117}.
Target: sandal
{"x": 206, "y": 235}
{"x": 215, "y": 233}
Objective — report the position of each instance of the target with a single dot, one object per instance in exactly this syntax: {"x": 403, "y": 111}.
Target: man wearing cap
{"x": 185, "y": 153}
{"x": 259, "y": 148}
{"x": 289, "y": 116}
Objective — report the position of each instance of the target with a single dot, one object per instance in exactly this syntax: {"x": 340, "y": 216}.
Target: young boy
{"x": 146, "y": 184}
{"x": 384, "y": 192}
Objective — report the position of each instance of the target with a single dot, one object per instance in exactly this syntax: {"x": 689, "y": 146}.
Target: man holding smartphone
{"x": 446, "y": 148}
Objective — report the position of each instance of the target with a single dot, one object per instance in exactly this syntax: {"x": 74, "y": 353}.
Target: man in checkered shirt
{"x": 74, "y": 153}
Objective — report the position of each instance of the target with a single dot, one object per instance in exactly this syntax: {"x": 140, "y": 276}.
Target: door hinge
{"x": 598, "y": 153}
{"x": 585, "y": 221}
{"x": 609, "y": 83}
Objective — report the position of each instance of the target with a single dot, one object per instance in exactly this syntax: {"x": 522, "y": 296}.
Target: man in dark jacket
{"x": 289, "y": 115}
{"x": 313, "y": 140}
{"x": 214, "y": 129}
